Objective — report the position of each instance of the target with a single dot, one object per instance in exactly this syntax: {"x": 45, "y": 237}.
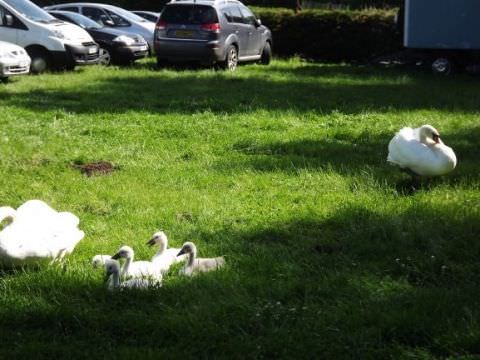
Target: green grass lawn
{"x": 283, "y": 170}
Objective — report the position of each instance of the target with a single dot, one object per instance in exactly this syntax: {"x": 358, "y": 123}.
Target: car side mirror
{"x": 258, "y": 22}
{"x": 8, "y": 20}
{"x": 109, "y": 22}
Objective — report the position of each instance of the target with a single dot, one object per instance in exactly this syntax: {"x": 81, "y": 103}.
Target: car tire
{"x": 266, "y": 54}
{"x": 41, "y": 61}
{"x": 231, "y": 59}
{"x": 105, "y": 58}
{"x": 442, "y": 66}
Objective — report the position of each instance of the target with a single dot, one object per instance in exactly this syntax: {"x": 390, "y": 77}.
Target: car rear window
{"x": 189, "y": 14}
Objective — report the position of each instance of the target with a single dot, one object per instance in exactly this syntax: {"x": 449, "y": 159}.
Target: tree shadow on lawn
{"x": 281, "y": 295}
{"x": 186, "y": 94}
{"x": 351, "y": 154}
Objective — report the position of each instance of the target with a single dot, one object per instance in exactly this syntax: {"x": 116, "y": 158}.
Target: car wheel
{"x": 266, "y": 54}
{"x": 231, "y": 59}
{"x": 40, "y": 61}
{"x": 104, "y": 57}
{"x": 442, "y": 66}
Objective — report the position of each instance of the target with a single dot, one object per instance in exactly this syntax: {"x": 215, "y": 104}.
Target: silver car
{"x": 112, "y": 16}
{"x": 213, "y": 32}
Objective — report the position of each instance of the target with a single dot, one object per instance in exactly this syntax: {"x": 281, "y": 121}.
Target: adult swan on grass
{"x": 35, "y": 232}
{"x": 420, "y": 152}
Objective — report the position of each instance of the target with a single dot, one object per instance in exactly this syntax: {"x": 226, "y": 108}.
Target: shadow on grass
{"x": 281, "y": 295}
{"x": 350, "y": 154}
{"x": 188, "y": 93}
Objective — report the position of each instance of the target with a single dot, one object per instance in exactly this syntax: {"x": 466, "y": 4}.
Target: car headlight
{"x": 124, "y": 39}
{"x": 6, "y": 55}
{"x": 60, "y": 35}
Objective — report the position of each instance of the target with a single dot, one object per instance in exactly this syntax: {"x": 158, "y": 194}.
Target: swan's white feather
{"x": 425, "y": 159}
{"x": 37, "y": 233}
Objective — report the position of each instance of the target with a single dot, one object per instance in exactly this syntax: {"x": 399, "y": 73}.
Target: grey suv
{"x": 222, "y": 32}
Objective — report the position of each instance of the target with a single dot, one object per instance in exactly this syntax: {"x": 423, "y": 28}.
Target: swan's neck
{"x": 162, "y": 248}
{"x": 115, "y": 279}
{"x": 191, "y": 259}
{"x": 126, "y": 267}
{"x": 7, "y": 214}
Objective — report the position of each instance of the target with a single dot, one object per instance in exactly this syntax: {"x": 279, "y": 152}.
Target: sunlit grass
{"x": 282, "y": 170}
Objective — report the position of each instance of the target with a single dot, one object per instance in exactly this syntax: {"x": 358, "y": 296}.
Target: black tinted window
{"x": 248, "y": 17}
{"x": 189, "y": 14}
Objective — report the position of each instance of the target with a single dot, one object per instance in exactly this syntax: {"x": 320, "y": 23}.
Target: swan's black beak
{"x": 151, "y": 242}
{"x": 116, "y": 256}
{"x": 436, "y": 138}
{"x": 181, "y": 252}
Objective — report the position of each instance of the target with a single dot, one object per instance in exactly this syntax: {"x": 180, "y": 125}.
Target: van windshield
{"x": 31, "y": 11}
{"x": 189, "y": 14}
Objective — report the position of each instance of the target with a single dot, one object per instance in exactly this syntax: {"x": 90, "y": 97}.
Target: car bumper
{"x": 132, "y": 52}
{"x": 15, "y": 67}
{"x": 85, "y": 54}
{"x": 175, "y": 50}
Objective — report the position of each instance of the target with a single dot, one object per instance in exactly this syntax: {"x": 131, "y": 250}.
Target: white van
{"x": 13, "y": 61}
{"x": 51, "y": 43}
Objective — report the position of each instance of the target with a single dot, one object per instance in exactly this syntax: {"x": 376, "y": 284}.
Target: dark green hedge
{"x": 332, "y": 36}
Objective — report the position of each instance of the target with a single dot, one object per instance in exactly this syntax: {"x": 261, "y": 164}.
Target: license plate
{"x": 92, "y": 50}
{"x": 183, "y": 33}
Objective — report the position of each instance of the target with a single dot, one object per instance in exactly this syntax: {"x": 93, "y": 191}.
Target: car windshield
{"x": 81, "y": 20}
{"x": 127, "y": 14}
{"x": 31, "y": 11}
{"x": 189, "y": 14}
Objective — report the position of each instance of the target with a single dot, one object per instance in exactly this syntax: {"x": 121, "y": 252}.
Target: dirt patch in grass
{"x": 95, "y": 168}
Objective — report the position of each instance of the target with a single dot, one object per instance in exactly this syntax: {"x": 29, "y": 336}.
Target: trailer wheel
{"x": 442, "y": 66}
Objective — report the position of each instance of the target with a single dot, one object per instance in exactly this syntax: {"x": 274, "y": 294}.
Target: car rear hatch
{"x": 188, "y": 22}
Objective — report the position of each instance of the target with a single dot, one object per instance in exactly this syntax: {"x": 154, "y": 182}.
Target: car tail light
{"x": 161, "y": 25}
{"x": 215, "y": 27}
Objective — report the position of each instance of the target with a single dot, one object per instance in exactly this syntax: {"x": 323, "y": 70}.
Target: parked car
{"x": 112, "y": 16}
{"x": 148, "y": 15}
{"x": 117, "y": 47}
{"x": 219, "y": 32}
{"x": 50, "y": 43}
{"x": 14, "y": 60}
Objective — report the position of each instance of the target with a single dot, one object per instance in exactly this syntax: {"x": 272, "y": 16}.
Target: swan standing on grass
{"x": 112, "y": 276}
{"x": 100, "y": 260}
{"x": 420, "y": 152}
{"x": 195, "y": 265}
{"x": 136, "y": 269}
{"x": 37, "y": 232}
{"x": 165, "y": 257}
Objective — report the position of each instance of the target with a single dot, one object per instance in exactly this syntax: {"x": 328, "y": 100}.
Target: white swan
{"x": 421, "y": 152}
{"x": 136, "y": 269}
{"x": 100, "y": 260}
{"x": 37, "y": 232}
{"x": 195, "y": 265}
{"x": 165, "y": 257}
{"x": 112, "y": 275}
